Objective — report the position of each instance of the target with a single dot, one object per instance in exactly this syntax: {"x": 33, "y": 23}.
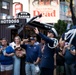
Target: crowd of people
{"x": 37, "y": 58}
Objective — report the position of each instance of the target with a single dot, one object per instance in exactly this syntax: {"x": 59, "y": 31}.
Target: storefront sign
{"x": 18, "y": 8}
{"x": 48, "y": 9}
{"x": 9, "y": 21}
{"x": 23, "y": 15}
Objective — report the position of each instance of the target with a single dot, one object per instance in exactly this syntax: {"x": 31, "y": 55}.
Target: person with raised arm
{"x": 47, "y": 60}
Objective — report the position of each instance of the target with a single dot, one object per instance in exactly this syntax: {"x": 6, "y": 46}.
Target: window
{"x": 3, "y": 15}
{"x": 5, "y": 5}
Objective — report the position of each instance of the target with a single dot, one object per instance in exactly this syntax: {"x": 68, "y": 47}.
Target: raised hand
{"x": 36, "y": 30}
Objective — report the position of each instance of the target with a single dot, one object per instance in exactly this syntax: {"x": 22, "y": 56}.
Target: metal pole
{"x": 23, "y": 32}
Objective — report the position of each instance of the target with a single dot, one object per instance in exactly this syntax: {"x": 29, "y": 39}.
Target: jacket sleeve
{"x": 11, "y": 50}
{"x": 47, "y": 39}
{"x": 24, "y": 46}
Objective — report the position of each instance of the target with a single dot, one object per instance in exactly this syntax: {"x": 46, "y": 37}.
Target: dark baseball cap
{"x": 32, "y": 38}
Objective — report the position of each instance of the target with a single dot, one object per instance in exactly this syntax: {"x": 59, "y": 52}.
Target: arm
{"x": 1, "y": 50}
{"x": 12, "y": 51}
{"x": 55, "y": 59}
{"x": 72, "y": 50}
{"x": 64, "y": 49}
{"x": 37, "y": 61}
{"x": 47, "y": 39}
{"x": 39, "y": 55}
{"x": 11, "y": 54}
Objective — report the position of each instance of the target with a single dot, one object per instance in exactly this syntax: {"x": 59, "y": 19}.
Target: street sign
{"x": 23, "y": 15}
{"x": 9, "y": 21}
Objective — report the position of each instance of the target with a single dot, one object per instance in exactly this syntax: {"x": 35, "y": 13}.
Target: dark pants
{"x": 46, "y": 71}
{"x": 70, "y": 69}
{"x": 22, "y": 66}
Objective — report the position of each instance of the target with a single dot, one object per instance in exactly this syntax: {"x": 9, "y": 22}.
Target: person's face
{"x": 35, "y": 39}
{"x": 4, "y": 42}
{"x": 42, "y": 41}
{"x": 32, "y": 42}
{"x": 17, "y": 40}
{"x": 50, "y": 35}
{"x": 62, "y": 43}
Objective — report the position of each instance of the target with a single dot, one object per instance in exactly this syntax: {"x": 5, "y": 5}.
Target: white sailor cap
{"x": 53, "y": 30}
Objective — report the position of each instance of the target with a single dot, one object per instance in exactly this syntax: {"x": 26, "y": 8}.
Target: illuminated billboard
{"x": 48, "y": 8}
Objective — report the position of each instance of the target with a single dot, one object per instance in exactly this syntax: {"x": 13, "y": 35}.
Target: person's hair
{"x": 4, "y": 39}
{"x": 18, "y": 38}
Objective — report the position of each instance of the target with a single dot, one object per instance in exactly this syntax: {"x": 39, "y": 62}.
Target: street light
{"x": 11, "y": 27}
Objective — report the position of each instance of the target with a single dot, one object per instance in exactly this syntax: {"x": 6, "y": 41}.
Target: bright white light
{"x": 11, "y": 27}
{"x": 3, "y": 17}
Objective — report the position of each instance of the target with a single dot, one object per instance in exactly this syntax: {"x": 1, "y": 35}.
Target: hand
{"x": 36, "y": 30}
{"x": 66, "y": 46}
{"x": 22, "y": 42}
{"x": 20, "y": 55}
{"x": 35, "y": 63}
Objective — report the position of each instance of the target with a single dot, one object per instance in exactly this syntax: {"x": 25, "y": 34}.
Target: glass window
{"x": 5, "y": 5}
{"x": 3, "y": 15}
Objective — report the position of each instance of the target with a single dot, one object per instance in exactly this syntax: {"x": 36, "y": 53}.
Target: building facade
{"x": 65, "y": 13}
{"x": 5, "y": 10}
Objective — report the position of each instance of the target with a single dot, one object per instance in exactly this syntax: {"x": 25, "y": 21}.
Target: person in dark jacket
{"x": 47, "y": 60}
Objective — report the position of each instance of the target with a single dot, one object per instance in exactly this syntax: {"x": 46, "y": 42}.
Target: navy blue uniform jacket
{"x": 47, "y": 60}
